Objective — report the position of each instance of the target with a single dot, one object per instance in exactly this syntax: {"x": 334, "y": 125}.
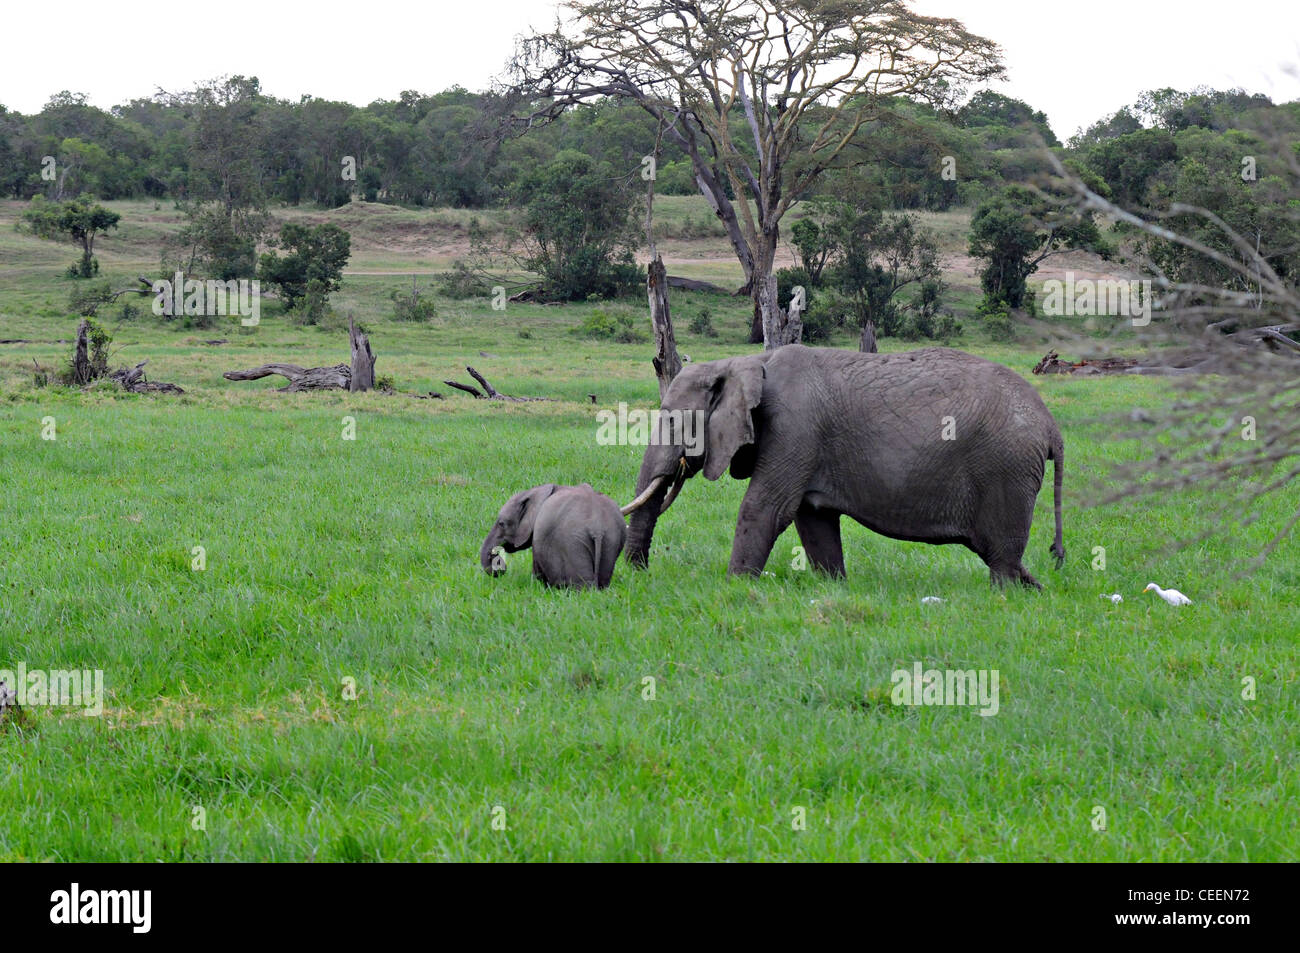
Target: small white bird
{"x": 1171, "y": 596}
{"x": 1115, "y": 598}
{"x": 930, "y": 600}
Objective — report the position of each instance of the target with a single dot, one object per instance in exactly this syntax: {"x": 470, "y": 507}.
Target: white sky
{"x": 1076, "y": 61}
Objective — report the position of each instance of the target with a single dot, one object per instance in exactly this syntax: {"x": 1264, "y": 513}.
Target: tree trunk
{"x": 363, "y": 361}
{"x": 780, "y": 327}
{"x": 81, "y": 372}
{"x": 867, "y": 343}
{"x": 667, "y": 362}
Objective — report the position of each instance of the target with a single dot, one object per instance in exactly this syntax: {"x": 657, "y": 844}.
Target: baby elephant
{"x": 576, "y": 535}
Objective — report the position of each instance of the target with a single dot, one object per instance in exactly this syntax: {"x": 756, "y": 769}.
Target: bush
{"x": 98, "y": 340}
{"x": 602, "y": 326}
{"x": 577, "y": 216}
{"x": 411, "y": 306}
{"x": 86, "y": 299}
{"x": 318, "y": 256}
{"x": 702, "y": 324}
{"x": 459, "y": 283}
{"x": 947, "y": 328}
{"x": 826, "y": 316}
{"x": 787, "y": 279}
{"x": 996, "y": 317}
{"x": 313, "y": 306}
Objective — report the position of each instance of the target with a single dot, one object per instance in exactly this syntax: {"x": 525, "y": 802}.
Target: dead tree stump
{"x": 81, "y": 370}
{"x": 667, "y": 362}
{"x": 363, "y": 361}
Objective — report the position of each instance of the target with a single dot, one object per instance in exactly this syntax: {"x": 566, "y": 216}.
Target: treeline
{"x": 446, "y": 149}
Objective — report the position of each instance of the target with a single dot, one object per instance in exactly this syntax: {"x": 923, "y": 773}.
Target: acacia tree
{"x": 763, "y": 96}
{"x": 79, "y": 221}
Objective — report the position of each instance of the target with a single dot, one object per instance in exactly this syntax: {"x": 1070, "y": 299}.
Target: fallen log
{"x": 489, "y": 392}
{"x": 359, "y": 376}
{"x": 1052, "y": 364}
{"x": 338, "y": 377}
{"x": 133, "y": 380}
{"x": 466, "y": 388}
{"x": 691, "y": 284}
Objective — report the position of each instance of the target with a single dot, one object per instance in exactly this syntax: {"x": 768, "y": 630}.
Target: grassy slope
{"x": 330, "y": 559}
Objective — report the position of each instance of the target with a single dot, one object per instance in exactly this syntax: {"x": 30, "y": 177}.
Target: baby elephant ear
{"x": 525, "y": 514}
{"x": 736, "y": 391}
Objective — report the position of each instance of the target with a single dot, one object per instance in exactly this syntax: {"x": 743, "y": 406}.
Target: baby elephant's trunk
{"x": 493, "y": 563}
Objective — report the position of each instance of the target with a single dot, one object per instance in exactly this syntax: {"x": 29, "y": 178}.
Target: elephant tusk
{"x": 645, "y": 495}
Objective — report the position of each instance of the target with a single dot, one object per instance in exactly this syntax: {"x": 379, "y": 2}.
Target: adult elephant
{"x": 934, "y": 446}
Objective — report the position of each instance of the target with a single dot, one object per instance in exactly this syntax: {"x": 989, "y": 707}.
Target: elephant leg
{"x": 819, "y": 531}
{"x": 759, "y": 524}
{"x": 609, "y": 552}
{"x": 1003, "y": 533}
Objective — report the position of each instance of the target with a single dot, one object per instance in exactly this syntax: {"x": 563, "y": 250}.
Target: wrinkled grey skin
{"x": 823, "y": 433}
{"x": 575, "y": 533}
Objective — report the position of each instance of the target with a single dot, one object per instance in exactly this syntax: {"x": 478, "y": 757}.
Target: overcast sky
{"x": 1075, "y": 61}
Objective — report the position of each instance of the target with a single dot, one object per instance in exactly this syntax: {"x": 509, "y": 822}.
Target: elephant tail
{"x": 1057, "y": 456}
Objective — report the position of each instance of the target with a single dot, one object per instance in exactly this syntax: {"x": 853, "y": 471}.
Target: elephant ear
{"x": 530, "y": 503}
{"x": 735, "y": 393}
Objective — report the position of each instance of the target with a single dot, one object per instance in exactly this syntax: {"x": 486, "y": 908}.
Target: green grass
{"x": 330, "y": 560}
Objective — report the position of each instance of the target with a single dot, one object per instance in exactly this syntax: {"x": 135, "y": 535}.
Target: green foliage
{"x": 787, "y": 279}
{"x": 86, "y": 299}
{"x": 413, "y": 305}
{"x": 577, "y": 216}
{"x": 827, "y": 315}
{"x": 79, "y": 221}
{"x": 995, "y": 316}
{"x": 878, "y": 256}
{"x": 1003, "y": 121}
{"x": 1015, "y": 231}
{"x": 702, "y": 324}
{"x": 216, "y": 242}
{"x": 1129, "y": 162}
{"x": 98, "y": 340}
{"x": 600, "y": 325}
{"x": 313, "y": 265}
{"x": 312, "y": 307}
{"x": 461, "y": 282}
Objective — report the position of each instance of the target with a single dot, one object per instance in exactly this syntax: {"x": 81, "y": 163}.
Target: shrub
{"x": 412, "y": 306}
{"x": 313, "y": 306}
{"x": 826, "y": 316}
{"x": 996, "y": 317}
{"x": 459, "y": 283}
{"x": 86, "y": 299}
{"x": 787, "y": 279}
{"x": 602, "y": 326}
{"x": 702, "y": 324}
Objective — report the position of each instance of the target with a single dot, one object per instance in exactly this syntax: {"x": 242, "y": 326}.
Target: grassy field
{"x": 494, "y": 719}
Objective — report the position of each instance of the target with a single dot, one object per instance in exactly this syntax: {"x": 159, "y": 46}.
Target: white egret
{"x": 1171, "y": 596}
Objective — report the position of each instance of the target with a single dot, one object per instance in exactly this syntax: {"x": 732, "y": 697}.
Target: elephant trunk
{"x": 493, "y": 564}
{"x": 656, "y": 479}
